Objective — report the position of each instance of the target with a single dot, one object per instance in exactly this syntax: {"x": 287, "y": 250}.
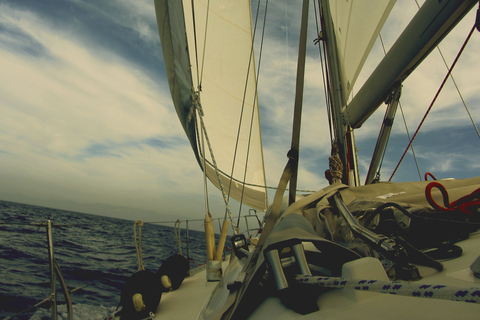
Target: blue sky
{"x": 87, "y": 120}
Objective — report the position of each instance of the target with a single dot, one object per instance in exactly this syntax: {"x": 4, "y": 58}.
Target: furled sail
{"x": 357, "y": 25}
{"x": 210, "y": 65}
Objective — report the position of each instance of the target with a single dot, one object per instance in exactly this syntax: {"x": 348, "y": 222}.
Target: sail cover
{"x": 357, "y": 25}
{"x": 207, "y": 50}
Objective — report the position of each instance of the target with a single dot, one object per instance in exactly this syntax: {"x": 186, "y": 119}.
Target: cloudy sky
{"x": 87, "y": 121}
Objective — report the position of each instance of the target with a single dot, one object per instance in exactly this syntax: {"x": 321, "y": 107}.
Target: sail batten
{"x": 219, "y": 40}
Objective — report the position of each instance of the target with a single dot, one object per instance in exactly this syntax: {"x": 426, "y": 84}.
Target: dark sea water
{"x": 91, "y": 250}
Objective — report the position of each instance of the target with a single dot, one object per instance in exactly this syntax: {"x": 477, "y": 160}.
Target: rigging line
{"x": 331, "y": 114}
{"x": 329, "y": 102}
{"x": 409, "y": 138}
{"x": 258, "y": 77}
{"x": 43, "y": 224}
{"x": 201, "y": 151}
{"x": 404, "y": 122}
{"x": 328, "y": 98}
{"x": 195, "y": 40}
{"x": 199, "y": 82}
{"x": 205, "y": 182}
{"x": 246, "y": 183}
{"x": 319, "y": 32}
{"x": 186, "y": 220}
{"x": 204, "y": 45}
{"x": 463, "y": 101}
{"x": 241, "y": 117}
{"x": 459, "y": 93}
{"x": 198, "y": 107}
{"x": 253, "y": 184}
{"x": 434, "y": 99}
{"x": 456, "y": 87}
{"x": 255, "y": 100}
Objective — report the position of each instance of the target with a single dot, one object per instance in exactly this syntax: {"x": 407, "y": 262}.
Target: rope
{"x": 195, "y": 263}
{"x": 258, "y": 185}
{"x": 177, "y": 235}
{"x": 196, "y": 105}
{"x": 336, "y": 166}
{"x": 427, "y": 174}
{"x": 151, "y": 316}
{"x": 50, "y": 298}
{"x": 195, "y": 41}
{"x": 468, "y": 204}
{"x": 477, "y": 22}
{"x": 253, "y": 109}
{"x": 323, "y": 68}
{"x": 138, "y": 246}
{"x": 433, "y": 101}
{"x": 409, "y": 289}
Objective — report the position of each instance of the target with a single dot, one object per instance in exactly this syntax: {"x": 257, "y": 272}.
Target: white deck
{"x": 188, "y": 300}
{"x": 351, "y": 304}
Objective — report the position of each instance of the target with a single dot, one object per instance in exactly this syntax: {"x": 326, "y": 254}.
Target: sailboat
{"x": 381, "y": 249}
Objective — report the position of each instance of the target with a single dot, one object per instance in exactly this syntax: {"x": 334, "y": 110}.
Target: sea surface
{"x": 92, "y": 251}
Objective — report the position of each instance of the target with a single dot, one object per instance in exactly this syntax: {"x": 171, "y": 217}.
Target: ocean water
{"x": 92, "y": 251}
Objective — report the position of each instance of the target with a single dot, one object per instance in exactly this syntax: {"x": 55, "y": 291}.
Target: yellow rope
{"x": 138, "y": 246}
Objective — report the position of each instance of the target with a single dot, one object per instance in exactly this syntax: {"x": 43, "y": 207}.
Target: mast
{"x": 342, "y": 142}
{"x": 297, "y": 116}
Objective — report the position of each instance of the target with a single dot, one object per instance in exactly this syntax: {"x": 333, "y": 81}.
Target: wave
{"x": 93, "y": 252}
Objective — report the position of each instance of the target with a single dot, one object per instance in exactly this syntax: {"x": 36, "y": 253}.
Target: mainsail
{"x": 210, "y": 66}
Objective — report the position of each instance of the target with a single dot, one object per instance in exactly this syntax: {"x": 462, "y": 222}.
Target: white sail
{"x": 219, "y": 39}
{"x": 357, "y": 25}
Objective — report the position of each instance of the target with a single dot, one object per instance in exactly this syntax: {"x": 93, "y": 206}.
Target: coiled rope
{"x": 409, "y": 289}
{"x": 138, "y": 246}
{"x": 335, "y": 172}
{"x": 469, "y": 204}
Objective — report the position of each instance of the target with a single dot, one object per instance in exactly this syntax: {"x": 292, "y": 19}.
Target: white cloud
{"x": 57, "y": 108}
{"x": 77, "y": 115}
